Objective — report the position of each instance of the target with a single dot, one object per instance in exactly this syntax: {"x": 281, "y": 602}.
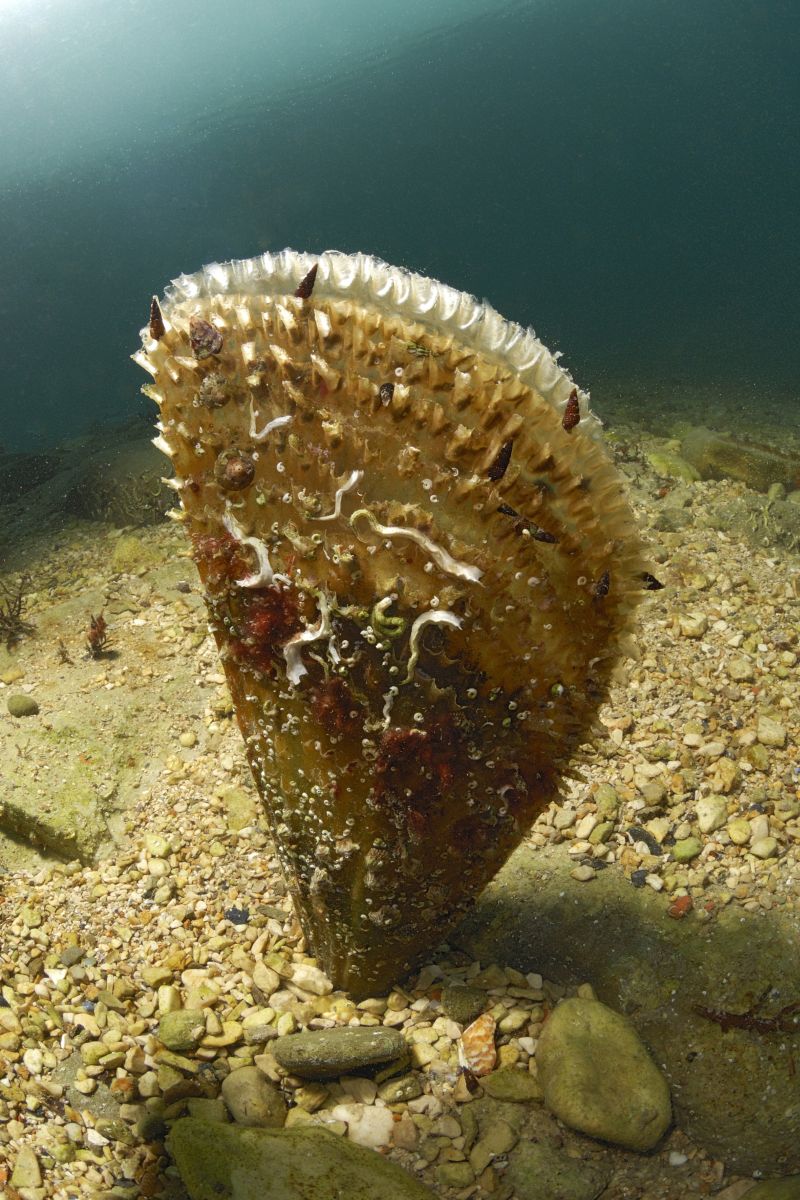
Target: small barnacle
{"x": 386, "y": 391}
{"x": 157, "y": 329}
{"x": 205, "y": 339}
{"x": 213, "y": 391}
{"x": 234, "y": 470}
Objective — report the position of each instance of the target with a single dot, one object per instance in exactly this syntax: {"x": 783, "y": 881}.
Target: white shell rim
{"x": 395, "y": 291}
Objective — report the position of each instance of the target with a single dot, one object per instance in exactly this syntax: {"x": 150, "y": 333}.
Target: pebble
{"x": 764, "y": 847}
{"x": 462, "y": 1003}
{"x": 311, "y": 979}
{"x": 712, "y": 813}
{"x": 685, "y": 849}
{"x": 403, "y": 1089}
{"x": 252, "y": 1099}
{"x": 258, "y": 1026}
{"x": 513, "y": 1085}
{"x": 583, "y": 873}
{"x": 182, "y": 1029}
{"x": 770, "y": 733}
{"x": 693, "y": 625}
{"x": 366, "y": 1125}
{"x": 497, "y": 1137}
{"x": 739, "y": 831}
{"x": 265, "y": 979}
{"x": 539, "y": 1171}
{"x": 20, "y": 705}
{"x": 27, "y": 1172}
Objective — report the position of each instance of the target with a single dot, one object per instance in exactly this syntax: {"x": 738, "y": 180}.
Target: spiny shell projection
{"x": 418, "y": 563}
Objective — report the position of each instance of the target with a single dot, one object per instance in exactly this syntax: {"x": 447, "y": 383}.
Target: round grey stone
{"x": 598, "y": 1077}
{"x": 327, "y": 1053}
{"x": 252, "y": 1099}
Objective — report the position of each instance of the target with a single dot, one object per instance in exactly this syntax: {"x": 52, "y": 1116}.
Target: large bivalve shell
{"x": 418, "y": 562}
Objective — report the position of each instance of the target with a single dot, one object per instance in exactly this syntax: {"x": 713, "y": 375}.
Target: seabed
{"x": 137, "y": 872}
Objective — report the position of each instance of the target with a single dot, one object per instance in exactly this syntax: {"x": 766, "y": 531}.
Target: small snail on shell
{"x": 234, "y": 470}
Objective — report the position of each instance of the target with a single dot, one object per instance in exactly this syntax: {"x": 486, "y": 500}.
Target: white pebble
{"x": 311, "y": 979}
{"x": 366, "y": 1125}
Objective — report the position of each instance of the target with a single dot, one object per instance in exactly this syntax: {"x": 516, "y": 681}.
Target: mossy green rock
{"x": 131, "y": 554}
{"x": 182, "y": 1029}
{"x": 20, "y": 705}
{"x": 670, "y": 464}
{"x": 463, "y": 1004}
{"x": 536, "y": 1171}
{"x": 226, "y": 1162}
{"x": 327, "y": 1053}
{"x": 511, "y": 1084}
{"x": 598, "y": 1077}
{"x": 776, "y": 1189}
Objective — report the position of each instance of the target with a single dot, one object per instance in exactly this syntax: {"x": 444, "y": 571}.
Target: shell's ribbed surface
{"x": 418, "y": 562}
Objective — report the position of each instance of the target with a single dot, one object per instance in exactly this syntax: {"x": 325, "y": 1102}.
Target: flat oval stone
{"x": 327, "y": 1053}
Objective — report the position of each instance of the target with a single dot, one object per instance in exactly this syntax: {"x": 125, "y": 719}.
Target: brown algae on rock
{"x": 418, "y": 563}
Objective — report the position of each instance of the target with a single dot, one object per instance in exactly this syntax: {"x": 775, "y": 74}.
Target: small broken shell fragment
{"x": 476, "y": 1048}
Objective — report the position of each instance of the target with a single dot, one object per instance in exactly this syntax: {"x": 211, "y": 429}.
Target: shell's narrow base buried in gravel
{"x": 418, "y": 563}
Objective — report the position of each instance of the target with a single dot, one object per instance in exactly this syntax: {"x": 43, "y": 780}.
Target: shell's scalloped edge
{"x": 369, "y": 281}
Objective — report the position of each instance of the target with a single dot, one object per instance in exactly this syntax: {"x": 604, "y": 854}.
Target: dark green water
{"x": 620, "y": 174}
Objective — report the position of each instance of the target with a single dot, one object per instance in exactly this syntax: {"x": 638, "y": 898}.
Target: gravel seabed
{"x": 691, "y": 789}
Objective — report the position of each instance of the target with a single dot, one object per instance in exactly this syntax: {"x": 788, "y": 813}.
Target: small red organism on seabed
{"x": 97, "y": 636}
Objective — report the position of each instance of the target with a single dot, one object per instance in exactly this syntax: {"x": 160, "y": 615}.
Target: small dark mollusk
{"x": 600, "y": 589}
{"x": 157, "y": 329}
{"x": 572, "y": 413}
{"x": 234, "y": 470}
{"x": 541, "y": 535}
{"x": 205, "y": 339}
{"x": 500, "y": 465}
{"x": 306, "y": 285}
{"x": 386, "y": 391}
{"x": 651, "y": 584}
